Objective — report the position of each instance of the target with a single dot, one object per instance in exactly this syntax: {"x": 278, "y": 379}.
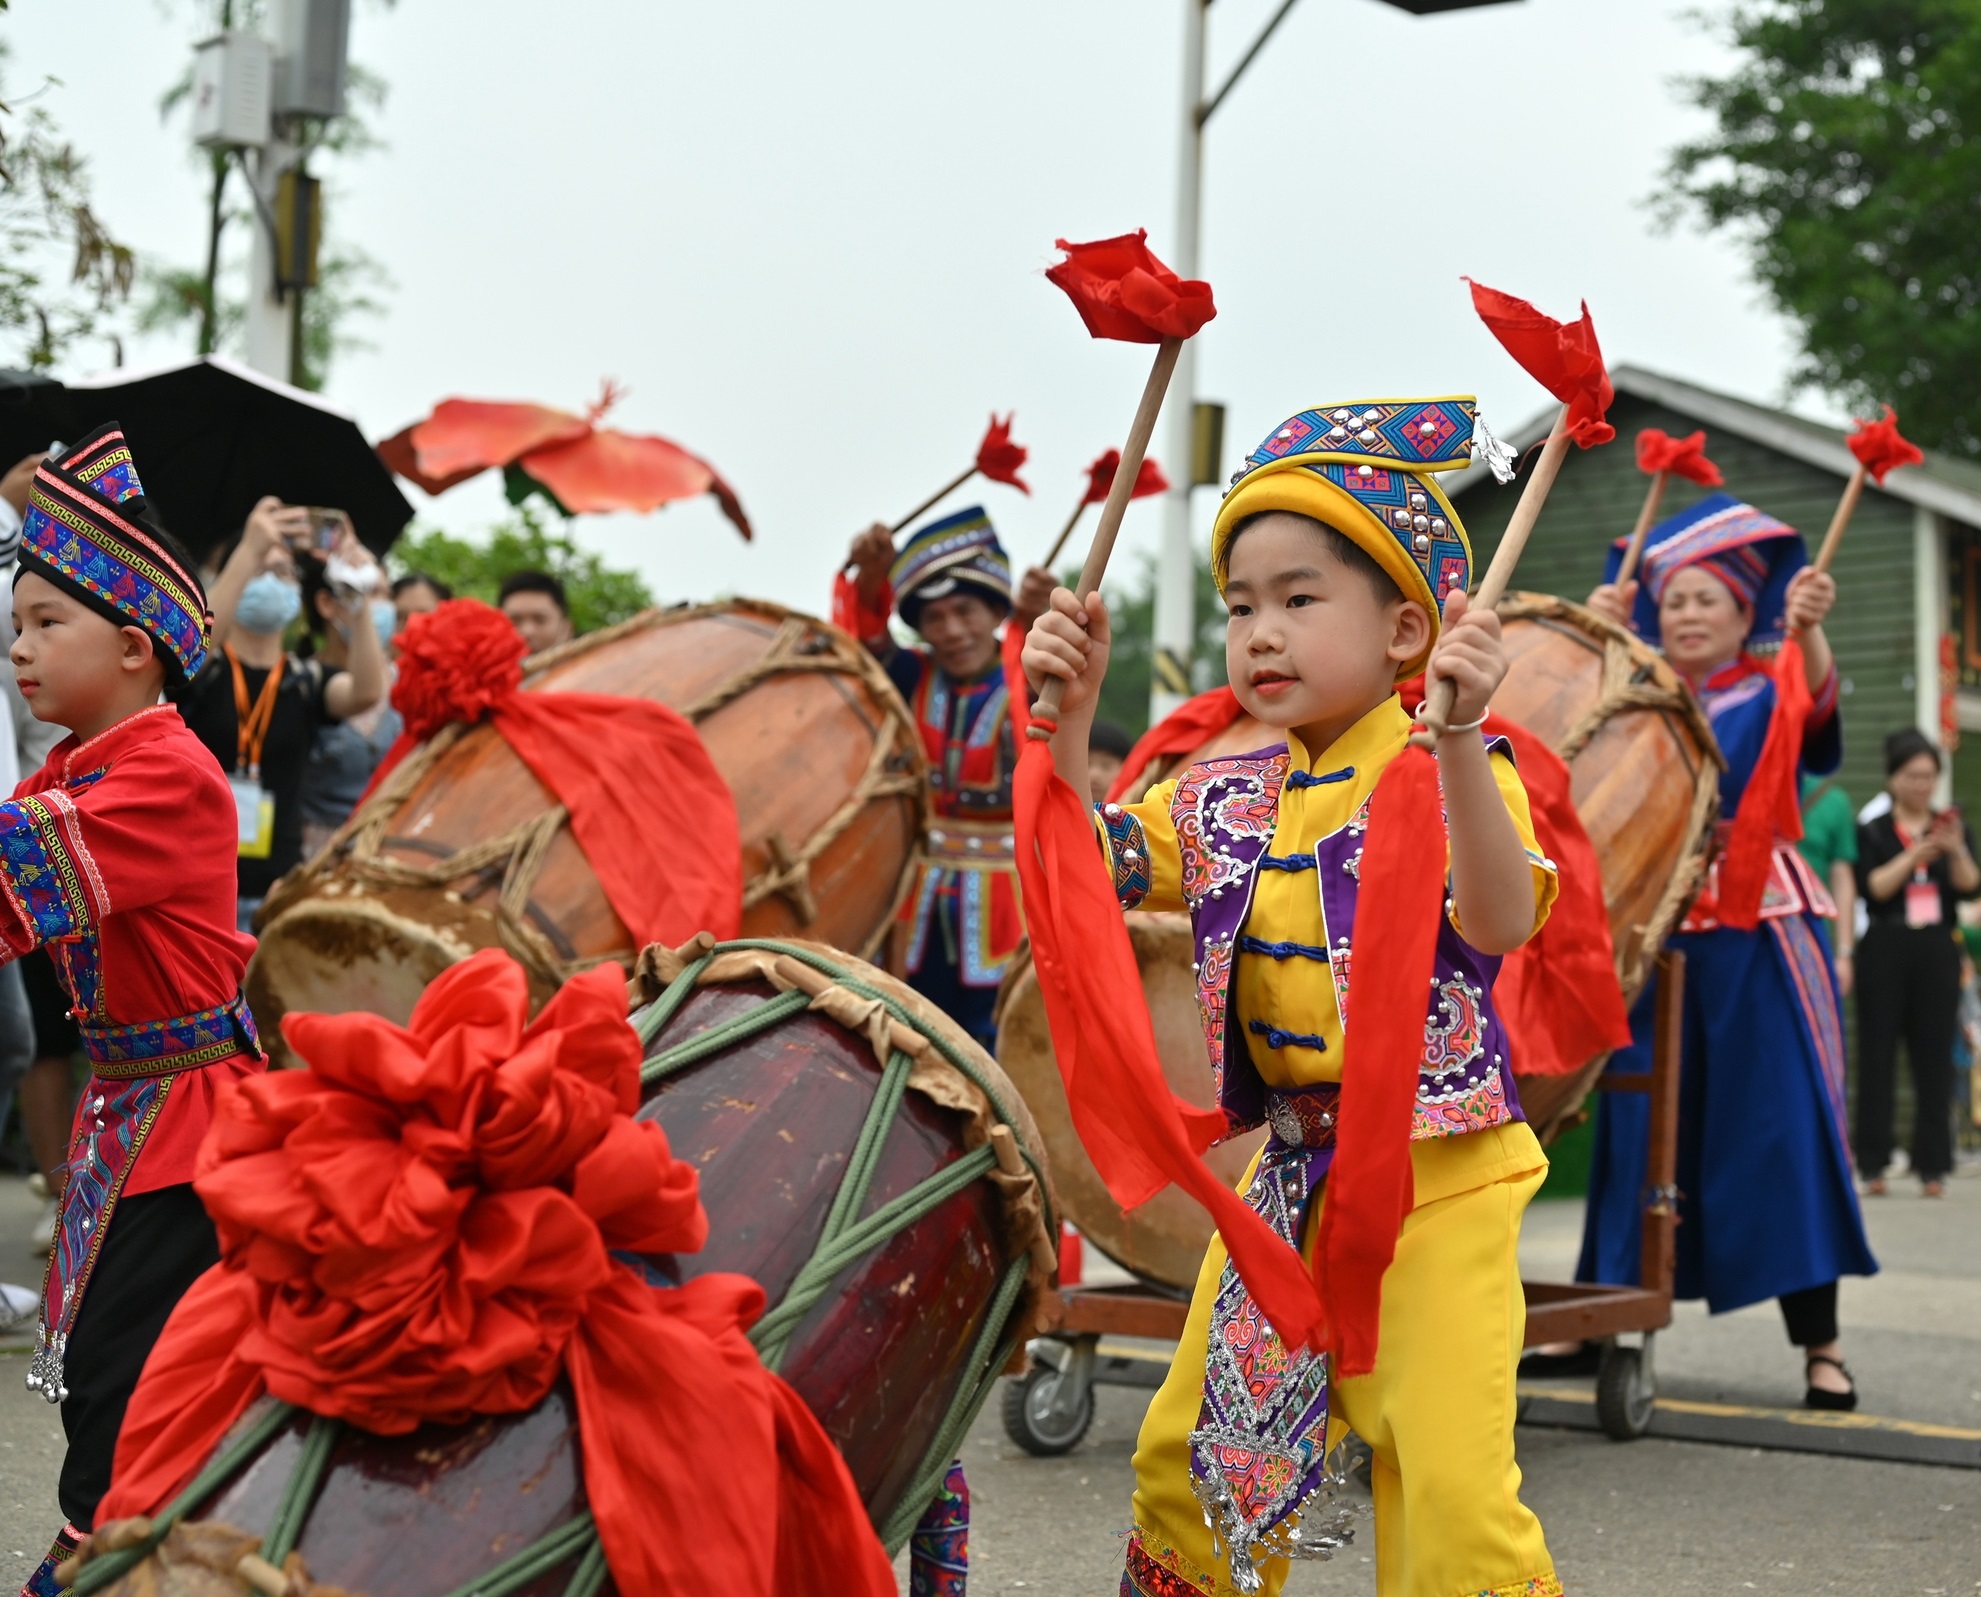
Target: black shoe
{"x": 1585, "y": 1360}
{"x": 1817, "y": 1397}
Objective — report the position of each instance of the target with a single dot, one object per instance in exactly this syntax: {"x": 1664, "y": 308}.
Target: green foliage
{"x": 1848, "y": 154}
{"x": 63, "y": 277}
{"x": 1132, "y": 605}
{"x": 529, "y": 540}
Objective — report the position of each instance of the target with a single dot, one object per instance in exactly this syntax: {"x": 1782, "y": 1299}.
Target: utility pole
{"x": 1176, "y": 575}
{"x": 253, "y": 98}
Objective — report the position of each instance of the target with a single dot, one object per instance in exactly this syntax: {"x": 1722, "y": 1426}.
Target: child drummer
{"x": 1332, "y": 550}
{"x": 118, "y": 857}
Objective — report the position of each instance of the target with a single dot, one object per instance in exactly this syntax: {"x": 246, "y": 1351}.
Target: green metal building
{"x": 1907, "y": 626}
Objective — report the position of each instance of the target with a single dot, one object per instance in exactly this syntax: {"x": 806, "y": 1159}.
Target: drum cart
{"x": 1047, "y": 1409}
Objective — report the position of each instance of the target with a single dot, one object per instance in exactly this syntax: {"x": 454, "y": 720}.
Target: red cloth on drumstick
{"x": 1100, "y": 478}
{"x": 1123, "y": 292}
{"x": 1880, "y": 448}
{"x": 1771, "y": 805}
{"x": 420, "y": 1225}
{"x": 614, "y": 763}
{"x": 1683, "y": 457}
{"x": 1563, "y": 357}
{"x": 998, "y": 458}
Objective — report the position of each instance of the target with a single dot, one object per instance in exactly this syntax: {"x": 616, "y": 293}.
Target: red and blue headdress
{"x": 89, "y": 532}
{"x": 1747, "y": 549}
{"x": 958, "y": 554}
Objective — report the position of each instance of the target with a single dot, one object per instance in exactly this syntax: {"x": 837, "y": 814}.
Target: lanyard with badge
{"x": 254, "y": 806}
{"x": 1922, "y": 893}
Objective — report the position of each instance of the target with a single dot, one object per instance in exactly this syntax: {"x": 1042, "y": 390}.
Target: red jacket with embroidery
{"x": 119, "y": 857}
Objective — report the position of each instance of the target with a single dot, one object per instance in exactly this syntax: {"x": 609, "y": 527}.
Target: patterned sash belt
{"x": 160, "y": 1047}
{"x": 134, "y": 1068}
{"x": 1259, "y": 1457}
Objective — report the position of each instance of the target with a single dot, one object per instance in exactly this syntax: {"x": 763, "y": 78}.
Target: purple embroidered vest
{"x": 1225, "y": 811}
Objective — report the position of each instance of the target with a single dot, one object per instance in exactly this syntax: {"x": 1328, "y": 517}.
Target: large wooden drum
{"x": 770, "y": 1068}
{"x": 1644, "y": 772}
{"x": 463, "y": 849}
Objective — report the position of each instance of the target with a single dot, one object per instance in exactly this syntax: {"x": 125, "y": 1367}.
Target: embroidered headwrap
{"x": 89, "y": 532}
{"x": 1369, "y": 470}
{"x": 1747, "y": 549}
{"x": 958, "y": 554}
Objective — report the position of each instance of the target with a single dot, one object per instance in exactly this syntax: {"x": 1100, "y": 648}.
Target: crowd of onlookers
{"x": 294, "y": 702}
{"x": 1906, "y": 939}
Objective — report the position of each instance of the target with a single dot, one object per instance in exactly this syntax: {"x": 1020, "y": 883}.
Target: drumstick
{"x": 1045, "y": 713}
{"x": 1846, "y": 507}
{"x": 1649, "y": 514}
{"x": 1066, "y": 531}
{"x": 935, "y": 498}
{"x": 1438, "y": 698}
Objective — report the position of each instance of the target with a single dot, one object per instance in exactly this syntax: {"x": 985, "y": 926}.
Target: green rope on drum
{"x": 987, "y": 1358}
{"x": 100, "y": 1572}
{"x": 736, "y": 1029}
{"x": 285, "y": 1529}
{"x": 574, "y": 1536}
{"x": 649, "y": 1021}
{"x": 590, "y": 1573}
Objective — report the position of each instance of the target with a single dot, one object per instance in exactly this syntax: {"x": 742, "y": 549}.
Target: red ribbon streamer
{"x": 420, "y": 1226}
{"x": 1770, "y": 807}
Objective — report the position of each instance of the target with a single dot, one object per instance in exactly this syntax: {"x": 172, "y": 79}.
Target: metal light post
{"x": 1176, "y": 584}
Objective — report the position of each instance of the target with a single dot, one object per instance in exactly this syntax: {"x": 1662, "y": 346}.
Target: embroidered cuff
{"x": 43, "y": 883}
{"x": 1128, "y": 853}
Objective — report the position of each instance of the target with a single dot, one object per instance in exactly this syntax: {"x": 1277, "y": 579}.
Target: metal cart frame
{"x": 1048, "y": 1409}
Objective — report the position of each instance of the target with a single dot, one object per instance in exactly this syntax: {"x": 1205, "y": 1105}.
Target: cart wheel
{"x": 1046, "y": 1412}
{"x": 1626, "y": 1393}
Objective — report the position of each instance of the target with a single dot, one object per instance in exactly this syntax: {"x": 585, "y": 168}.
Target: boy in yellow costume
{"x": 1333, "y": 550}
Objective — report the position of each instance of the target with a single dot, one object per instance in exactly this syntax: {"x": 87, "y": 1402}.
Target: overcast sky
{"x": 808, "y": 238}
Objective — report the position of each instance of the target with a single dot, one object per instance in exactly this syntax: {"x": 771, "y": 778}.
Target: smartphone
{"x": 327, "y": 527}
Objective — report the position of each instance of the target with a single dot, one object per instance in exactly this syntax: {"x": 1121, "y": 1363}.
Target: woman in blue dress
{"x": 1767, "y": 1207}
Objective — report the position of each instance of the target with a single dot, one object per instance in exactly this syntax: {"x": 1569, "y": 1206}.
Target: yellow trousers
{"x": 1437, "y": 1410}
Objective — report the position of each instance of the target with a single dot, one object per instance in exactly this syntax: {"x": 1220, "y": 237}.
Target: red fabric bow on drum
{"x": 421, "y": 1226}
{"x": 1683, "y": 457}
{"x": 614, "y": 763}
{"x": 1563, "y": 357}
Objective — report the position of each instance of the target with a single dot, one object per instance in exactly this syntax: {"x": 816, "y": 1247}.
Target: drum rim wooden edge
{"x": 521, "y": 849}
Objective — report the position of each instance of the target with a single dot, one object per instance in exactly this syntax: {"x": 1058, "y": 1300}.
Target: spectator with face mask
{"x": 258, "y": 707}
{"x": 347, "y": 751}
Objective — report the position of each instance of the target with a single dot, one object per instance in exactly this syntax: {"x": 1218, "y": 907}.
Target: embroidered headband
{"x": 1368, "y": 469}
{"x": 958, "y": 553}
{"x": 89, "y": 532}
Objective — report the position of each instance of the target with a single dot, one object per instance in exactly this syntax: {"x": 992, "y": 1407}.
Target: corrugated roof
{"x": 1944, "y": 483}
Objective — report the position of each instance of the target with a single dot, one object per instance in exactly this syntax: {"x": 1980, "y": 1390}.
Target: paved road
{"x": 1644, "y": 1519}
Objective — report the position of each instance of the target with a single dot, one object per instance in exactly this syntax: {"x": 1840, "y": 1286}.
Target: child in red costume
{"x": 118, "y": 856}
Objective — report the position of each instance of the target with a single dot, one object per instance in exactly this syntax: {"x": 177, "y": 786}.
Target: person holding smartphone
{"x": 256, "y": 705}
{"x": 1914, "y": 866}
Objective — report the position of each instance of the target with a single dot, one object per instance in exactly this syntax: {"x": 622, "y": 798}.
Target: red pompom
{"x": 1563, "y": 357}
{"x": 1122, "y": 291}
{"x": 998, "y": 458}
{"x": 1682, "y": 457}
{"x": 456, "y": 663}
{"x": 1100, "y": 478}
{"x": 1879, "y": 447}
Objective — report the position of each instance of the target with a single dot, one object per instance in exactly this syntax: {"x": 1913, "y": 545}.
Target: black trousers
{"x": 159, "y": 1244}
{"x": 1811, "y": 1314}
{"x": 1908, "y": 985}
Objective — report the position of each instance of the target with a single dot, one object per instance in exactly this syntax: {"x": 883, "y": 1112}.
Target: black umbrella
{"x": 211, "y": 437}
